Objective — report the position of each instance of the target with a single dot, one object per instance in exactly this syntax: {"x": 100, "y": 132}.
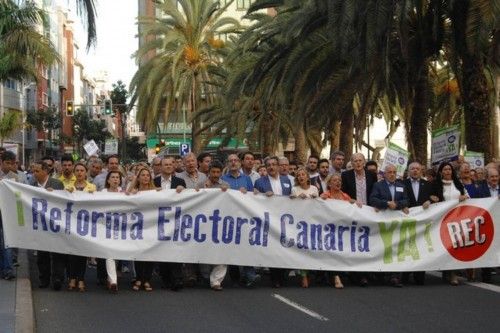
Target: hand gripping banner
{"x": 215, "y": 227}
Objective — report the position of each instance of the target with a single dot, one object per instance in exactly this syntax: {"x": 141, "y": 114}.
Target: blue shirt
{"x": 392, "y": 188}
{"x": 236, "y": 183}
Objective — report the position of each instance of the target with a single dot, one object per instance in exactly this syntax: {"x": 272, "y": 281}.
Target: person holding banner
{"x": 448, "y": 187}
{"x": 170, "y": 272}
{"x": 274, "y": 184}
{"x": 304, "y": 190}
{"x": 358, "y": 184}
{"x": 113, "y": 185}
{"x": 67, "y": 177}
{"x": 390, "y": 194}
{"x": 334, "y": 185}
{"x": 419, "y": 194}
{"x": 473, "y": 189}
{"x": 44, "y": 259}
{"x": 78, "y": 264}
{"x": 491, "y": 190}
{"x": 217, "y": 272}
{"x": 7, "y": 161}
{"x": 143, "y": 269}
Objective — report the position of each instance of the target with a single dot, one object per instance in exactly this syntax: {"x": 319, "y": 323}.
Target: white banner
{"x": 396, "y": 156}
{"x": 445, "y": 144}
{"x": 215, "y": 227}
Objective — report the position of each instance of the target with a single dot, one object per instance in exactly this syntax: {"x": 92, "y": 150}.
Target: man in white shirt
{"x": 247, "y": 166}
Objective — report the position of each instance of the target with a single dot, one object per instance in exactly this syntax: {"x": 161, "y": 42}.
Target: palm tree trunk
{"x": 300, "y": 144}
{"x": 335, "y": 137}
{"x": 477, "y": 109}
{"x": 196, "y": 144}
{"x": 266, "y": 142}
{"x": 346, "y": 133}
{"x": 417, "y": 136}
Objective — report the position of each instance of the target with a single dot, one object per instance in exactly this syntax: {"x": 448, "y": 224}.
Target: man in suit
{"x": 419, "y": 193}
{"x": 358, "y": 182}
{"x": 171, "y": 273}
{"x": 59, "y": 261}
{"x": 7, "y": 164}
{"x": 274, "y": 184}
{"x": 390, "y": 194}
{"x": 324, "y": 171}
{"x": 490, "y": 189}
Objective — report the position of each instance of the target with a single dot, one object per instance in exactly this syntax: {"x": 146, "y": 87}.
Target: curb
{"x": 25, "y": 316}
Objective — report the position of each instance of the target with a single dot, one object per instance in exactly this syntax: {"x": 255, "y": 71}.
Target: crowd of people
{"x": 358, "y": 181}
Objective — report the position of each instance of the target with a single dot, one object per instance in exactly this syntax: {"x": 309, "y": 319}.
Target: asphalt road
{"x": 433, "y": 307}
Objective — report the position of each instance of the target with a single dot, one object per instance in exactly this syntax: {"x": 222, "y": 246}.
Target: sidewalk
{"x": 16, "y": 300}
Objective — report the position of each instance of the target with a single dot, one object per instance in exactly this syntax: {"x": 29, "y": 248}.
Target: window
{"x": 243, "y": 4}
{"x": 10, "y": 84}
{"x": 45, "y": 99}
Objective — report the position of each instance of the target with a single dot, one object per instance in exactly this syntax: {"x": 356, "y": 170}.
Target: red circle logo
{"x": 467, "y": 232}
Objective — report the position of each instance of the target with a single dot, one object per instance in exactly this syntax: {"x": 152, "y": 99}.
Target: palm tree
{"x": 186, "y": 47}
{"x": 22, "y": 48}
{"x": 10, "y": 122}
{"x": 87, "y": 9}
{"x": 473, "y": 52}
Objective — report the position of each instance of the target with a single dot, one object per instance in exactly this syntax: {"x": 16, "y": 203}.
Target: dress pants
{"x": 144, "y": 270}
{"x": 48, "y": 263}
{"x": 101, "y": 271}
{"x": 77, "y": 267}
{"x": 277, "y": 276}
{"x": 171, "y": 274}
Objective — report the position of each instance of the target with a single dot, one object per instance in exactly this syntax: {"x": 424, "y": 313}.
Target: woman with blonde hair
{"x": 143, "y": 269}
{"x": 304, "y": 190}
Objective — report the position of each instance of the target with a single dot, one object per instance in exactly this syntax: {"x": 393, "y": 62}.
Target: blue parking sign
{"x": 184, "y": 148}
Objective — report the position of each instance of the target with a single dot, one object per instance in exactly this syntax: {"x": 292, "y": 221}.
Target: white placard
{"x": 111, "y": 147}
{"x": 91, "y": 148}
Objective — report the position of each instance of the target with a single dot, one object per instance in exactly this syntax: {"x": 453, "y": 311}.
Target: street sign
{"x": 184, "y": 148}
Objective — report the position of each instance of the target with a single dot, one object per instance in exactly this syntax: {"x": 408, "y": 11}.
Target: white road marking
{"x": 482, "y": 285}
{"x": 300, "y": 307}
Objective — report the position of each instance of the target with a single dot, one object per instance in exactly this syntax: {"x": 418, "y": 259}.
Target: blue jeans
{"x": 5, "y": 255}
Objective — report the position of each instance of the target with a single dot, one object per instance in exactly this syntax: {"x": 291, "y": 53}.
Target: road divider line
{"x": 300, "y": 307}
{"x": 482, "y": 285}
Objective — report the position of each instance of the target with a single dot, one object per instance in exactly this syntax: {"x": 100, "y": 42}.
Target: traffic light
{"x": 69, "y": 108}
{"x": 108, "y": 107}
{"x": 159, "y": 146}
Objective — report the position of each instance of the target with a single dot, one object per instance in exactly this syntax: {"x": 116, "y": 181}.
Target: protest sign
{"x": 215, "y": 227}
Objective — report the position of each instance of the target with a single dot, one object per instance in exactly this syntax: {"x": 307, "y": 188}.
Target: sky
{"x": 116, "y": 40}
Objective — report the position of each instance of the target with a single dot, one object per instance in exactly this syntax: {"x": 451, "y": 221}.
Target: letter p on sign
{"x": 184, "y": 148}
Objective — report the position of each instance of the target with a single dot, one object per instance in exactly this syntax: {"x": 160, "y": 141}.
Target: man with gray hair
{"x": 284, "y": 165}
{"x": 419, "y": 193}
{"x": 358, "y": 182}
{"x": 390, "y": 194}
